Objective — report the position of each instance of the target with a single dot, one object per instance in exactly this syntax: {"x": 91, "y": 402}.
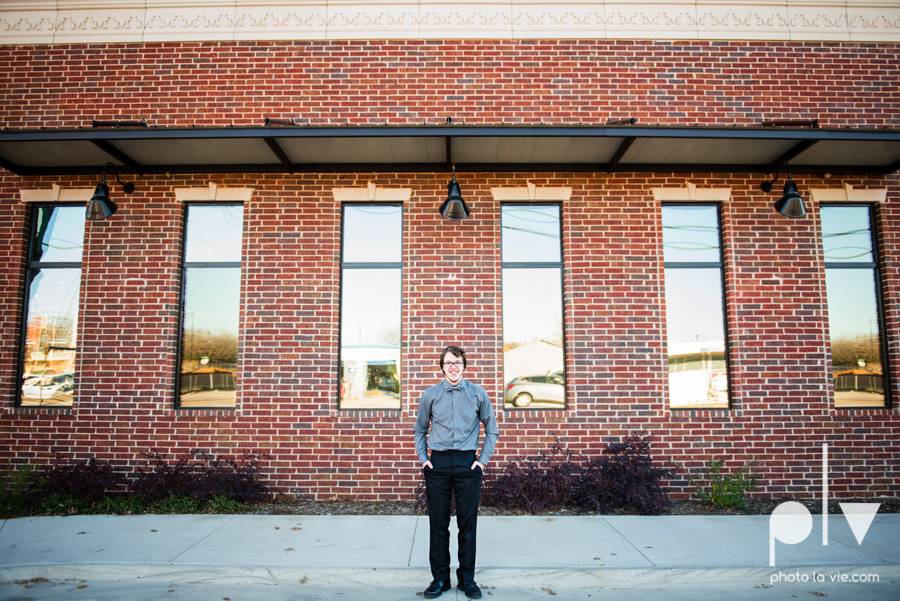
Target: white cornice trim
{"x": 213, "y": 193}
{"x": 848, "y": 194}
{"x": 57, "y": 193}
{"x": 138, "y": 21}
{"x": 692, "y": 193}
{"x": 372, "y": 193}
{"x": 532, "y": 193}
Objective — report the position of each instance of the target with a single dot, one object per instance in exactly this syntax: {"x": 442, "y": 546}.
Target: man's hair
{"x": 456, "y": 351}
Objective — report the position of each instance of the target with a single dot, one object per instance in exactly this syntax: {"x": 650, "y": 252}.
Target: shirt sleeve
{"x": 423, "y": 417}
{"x": 491, "y": 432}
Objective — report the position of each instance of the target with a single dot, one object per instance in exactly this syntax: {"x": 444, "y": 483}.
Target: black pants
{"x": 452, "y": 471}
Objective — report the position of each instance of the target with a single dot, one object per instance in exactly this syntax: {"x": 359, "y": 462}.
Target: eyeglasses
{"x": 453, "y": 363}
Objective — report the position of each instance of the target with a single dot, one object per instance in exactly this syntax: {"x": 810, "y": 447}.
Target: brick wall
{"x": 612, "y": 239}
{"x": 684, "y": 83}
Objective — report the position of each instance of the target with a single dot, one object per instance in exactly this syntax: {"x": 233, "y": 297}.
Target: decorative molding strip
{"x": 848, "y": 194}
{"x": 692, "y": 193}
{"x": 57, "y": 193}
{"x": 372, "y": 193}
{"x": 532, "y": 193}
{"x": 213, "y": 193}
{"x": 137, "y": 21}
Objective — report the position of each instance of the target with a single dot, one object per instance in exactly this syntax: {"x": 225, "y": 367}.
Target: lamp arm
{"x": 127, "y": 187}
{"x": 766, "y": 185}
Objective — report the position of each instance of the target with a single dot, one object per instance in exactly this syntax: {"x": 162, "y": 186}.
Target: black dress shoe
{"x": 437, "y": 587}
{"x": 470, "y": 589}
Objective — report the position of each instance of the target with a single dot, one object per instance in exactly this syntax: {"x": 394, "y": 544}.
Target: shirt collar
{"x": 448, "y": 385}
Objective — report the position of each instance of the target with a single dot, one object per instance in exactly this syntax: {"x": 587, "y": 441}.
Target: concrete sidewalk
{"x": 386, "y": 557}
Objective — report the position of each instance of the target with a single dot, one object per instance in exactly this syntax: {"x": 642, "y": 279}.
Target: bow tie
{"x": 451, "y": 388}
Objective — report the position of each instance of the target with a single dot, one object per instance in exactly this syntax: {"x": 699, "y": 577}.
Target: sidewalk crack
{"x": 625, "y": 538}
{"x": 413, "y": 545}
{"x": 222, "y": 525}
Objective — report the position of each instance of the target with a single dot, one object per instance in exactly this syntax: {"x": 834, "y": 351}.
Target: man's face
{"x": 453, "y": 368}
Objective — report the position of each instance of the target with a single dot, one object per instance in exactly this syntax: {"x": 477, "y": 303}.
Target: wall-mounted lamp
{"x": 790, "y": 204}
{"x": 100, "y": 206}
{"x": 454, "y": 207}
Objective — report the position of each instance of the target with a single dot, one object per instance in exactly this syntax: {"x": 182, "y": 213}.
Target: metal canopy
{"x": 335, "y": 149}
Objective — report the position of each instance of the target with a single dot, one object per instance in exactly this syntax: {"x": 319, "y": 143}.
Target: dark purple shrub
{"x": 90, "y": 480}
{"x": 203, "y": 480}
{"x": 623, "y": 480}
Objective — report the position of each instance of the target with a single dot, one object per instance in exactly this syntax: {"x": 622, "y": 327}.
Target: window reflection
{"x": 51, "y": 309}
{"x": 691, "y": 234}
{"x": 58, "y": 234}
{"x": 533, "y": 352}
{"x": 372, "y": 234}
{"x": 698, "y": 375}
{"x": 853, "y": 319}
{"x": 211, "y": 307}
{"x": 48, "y": 376}
{"x": 209, "y": 340}
{"x": 371, "y": 307}
{"x": 695, "y": 319}
{"x": 846, "y": 235}
{"x": 530, "y": 234}
{"x": 213, "y": 234}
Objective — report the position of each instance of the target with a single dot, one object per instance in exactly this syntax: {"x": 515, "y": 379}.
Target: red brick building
{"x": 281, "y": 279}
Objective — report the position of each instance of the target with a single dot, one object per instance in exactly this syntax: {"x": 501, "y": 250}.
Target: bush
{"x": 15, "y": 488}
{"x": 162, "y": 479}
{"x": 203, "y": 480}
{"x": 537, "y": 483}
{"x": 89, "y": 480}
{"x": 725, "y": 490}
{"x": 623, "y": 480}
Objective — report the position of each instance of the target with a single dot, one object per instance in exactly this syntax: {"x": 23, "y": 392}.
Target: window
{"x": 371, "y": 306}
{"x": 50, "y": 324}
{"x": 854, "y": 311}
{"x": 533, "y": 347}
{"x": 207, "y": 375}
{"x": 695, "y": 307}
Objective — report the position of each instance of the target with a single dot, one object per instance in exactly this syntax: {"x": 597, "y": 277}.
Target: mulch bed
{"x": 678, "y": 507}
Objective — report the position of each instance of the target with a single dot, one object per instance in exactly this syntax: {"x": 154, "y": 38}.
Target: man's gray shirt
{"x": 455, "y": 413}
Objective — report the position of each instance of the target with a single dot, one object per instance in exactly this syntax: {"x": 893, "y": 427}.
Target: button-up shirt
{"x": 455, "y": 413}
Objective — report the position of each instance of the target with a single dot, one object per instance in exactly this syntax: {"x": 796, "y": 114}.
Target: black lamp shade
{"x": 791, "y": 204}
{"x": 100, "y": 206}
{"x": 454, "y": 207}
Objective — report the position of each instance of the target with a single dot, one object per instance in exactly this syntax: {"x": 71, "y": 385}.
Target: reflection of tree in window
{"x": 852, "y": 290}
{"x": 211, "y": 306}
{"x": 51, "y": 311}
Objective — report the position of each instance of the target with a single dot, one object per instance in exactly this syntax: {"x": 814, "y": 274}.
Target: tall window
{"x": 210, "y": 306}
{"x": 854, "y": 312}
{"x": 695, "y": 307}
{"x": 50, "y": 325}
{"x": 371, "y": 279}
{"x": 533, "y": 351}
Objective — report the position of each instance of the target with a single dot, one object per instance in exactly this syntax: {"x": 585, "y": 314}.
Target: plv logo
{"x": 791, "y": 522}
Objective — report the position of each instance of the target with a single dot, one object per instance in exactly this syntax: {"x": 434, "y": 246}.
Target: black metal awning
{"x": 349, "y": 149}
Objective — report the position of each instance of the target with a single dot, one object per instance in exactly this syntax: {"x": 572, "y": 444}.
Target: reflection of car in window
{"x": 44, "y": 387}
{"x": 387, "y": 383}
{"x": 64, "y": 393}
{"x": 521, "y": 392}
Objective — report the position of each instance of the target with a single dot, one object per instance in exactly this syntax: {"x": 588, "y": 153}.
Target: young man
{"x": 455, "y": 408}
